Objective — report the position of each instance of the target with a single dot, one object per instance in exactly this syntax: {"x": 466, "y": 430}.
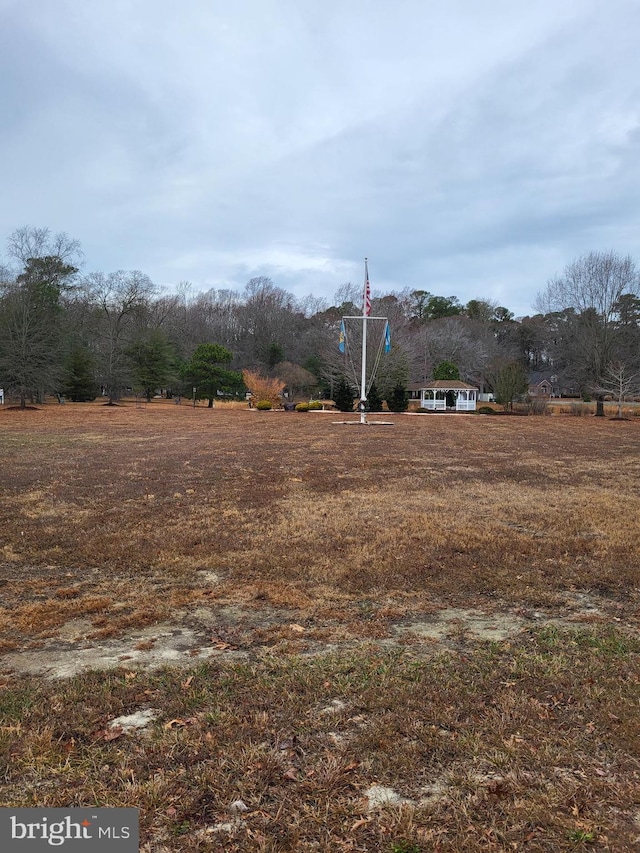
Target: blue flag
{"x": 341, "y": 340}
{"x": 387, "y": 338}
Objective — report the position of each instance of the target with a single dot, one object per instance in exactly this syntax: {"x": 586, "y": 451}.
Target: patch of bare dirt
{"x": 234, "y": 632}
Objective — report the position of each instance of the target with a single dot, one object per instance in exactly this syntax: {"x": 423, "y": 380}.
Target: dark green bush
{"x": 398, "y": 399}
{"x": 343, "y": 395}
{"x": 374, "y": 399}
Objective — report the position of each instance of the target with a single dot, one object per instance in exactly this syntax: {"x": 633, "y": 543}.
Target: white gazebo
{"x": 434, "y": 395}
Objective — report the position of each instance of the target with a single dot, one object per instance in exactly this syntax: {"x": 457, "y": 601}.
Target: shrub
{"x": 314, "y": 405}
{"x": 264, "y": 405}
{"x": 302, "y": 407}
{"x": 537, "y": 406}
{"x": 398, "y": 400}
{"x": 374, "y": 399}
{"x": 486, "y": 410}
{"x": 578, "y": 409}
{"x": 263, "y": 388}
{"x": 421, "y": 410}
{"x": 79, "y": 381}
{"x": 343, "y": 395}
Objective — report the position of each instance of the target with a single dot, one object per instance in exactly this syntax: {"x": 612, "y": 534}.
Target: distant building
{"x": 546, "y": 385}
{"x": 543, "y": 385}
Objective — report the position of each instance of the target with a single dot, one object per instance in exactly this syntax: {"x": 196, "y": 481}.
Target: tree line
{"x": 80, "y": 335}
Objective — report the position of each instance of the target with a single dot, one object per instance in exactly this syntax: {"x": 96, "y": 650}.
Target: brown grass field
{"x": 408, "y": 638}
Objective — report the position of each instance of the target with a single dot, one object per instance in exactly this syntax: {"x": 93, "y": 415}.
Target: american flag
{"x": 366, "y": 307}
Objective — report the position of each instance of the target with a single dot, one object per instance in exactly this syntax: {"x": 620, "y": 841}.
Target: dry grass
{"x": 320, "y": 534}
{"x": 501, "y": 748}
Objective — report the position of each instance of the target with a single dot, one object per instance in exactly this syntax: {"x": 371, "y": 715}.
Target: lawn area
{"x": 270, "y": 631}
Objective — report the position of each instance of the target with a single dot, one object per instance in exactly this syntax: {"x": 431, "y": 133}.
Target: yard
{"x": 272, "y": 632}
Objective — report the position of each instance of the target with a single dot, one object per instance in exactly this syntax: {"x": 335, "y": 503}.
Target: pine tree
{"x": 79, "y": 379}
{"x": 208, "y": 373}
{"x": 398, "y": 400}
{"x": 152, "y": 362}
{"x": 446, "y": 370}
{"x": 343, "y": 395}
{"x": 374, "y": 399}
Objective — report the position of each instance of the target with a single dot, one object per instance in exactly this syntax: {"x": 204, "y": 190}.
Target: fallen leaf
{"x": 220, "y": 643}
{"x": 113, "y": 733}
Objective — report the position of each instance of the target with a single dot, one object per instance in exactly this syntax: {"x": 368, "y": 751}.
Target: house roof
{"x": 540, "y": 382}
{"x": 540, "y": 376}
{"x": 447, "y": 385}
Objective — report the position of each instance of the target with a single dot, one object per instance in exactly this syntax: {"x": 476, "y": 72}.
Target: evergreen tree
{"x": 374, "y": 399}
{"x": 31, "y": 314}
{"x": 152, "y": 362}
{"x": 343, "y": 395}
{"x": 79, "y": 378}
{"x": 208, "y": 372}
{"x": 275, "y": 354}
{"x": 446, "y": 370}
{"x": 398, "y": 400}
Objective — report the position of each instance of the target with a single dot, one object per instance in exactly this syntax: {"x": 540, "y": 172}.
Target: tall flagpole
{"x": 343, "y": 346}
{"x": 366, "y": 310}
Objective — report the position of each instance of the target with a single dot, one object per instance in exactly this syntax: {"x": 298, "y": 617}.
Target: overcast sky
{"x": 467, "y": 147}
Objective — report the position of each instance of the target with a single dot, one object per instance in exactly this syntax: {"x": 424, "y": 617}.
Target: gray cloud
{"x": 469, "y": 149}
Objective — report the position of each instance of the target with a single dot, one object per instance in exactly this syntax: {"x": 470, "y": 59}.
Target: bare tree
{"x": 28, "y": 242}
{"x": 297, "y": 379}
{"x": 592, "y": 286}
{"x": 269, "y": 318}
{"x": 349, "y": 297}
{"x": 213, "y": 316}
{"x": 118, "y": 300}
{"x": 509, "y": 381}
{"x": 619, "y": 383}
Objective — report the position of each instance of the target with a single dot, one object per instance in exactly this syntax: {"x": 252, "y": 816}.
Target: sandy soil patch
{"x": 235, "y": 632}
